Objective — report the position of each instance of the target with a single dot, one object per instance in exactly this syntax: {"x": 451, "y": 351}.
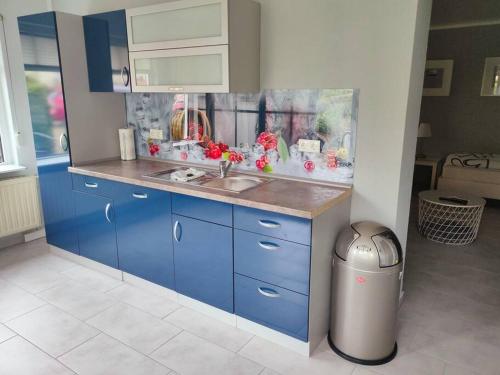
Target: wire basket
{"x": 446, "y": 222}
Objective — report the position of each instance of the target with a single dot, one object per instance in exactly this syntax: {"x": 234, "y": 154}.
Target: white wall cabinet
{"x": 195, "y": 46}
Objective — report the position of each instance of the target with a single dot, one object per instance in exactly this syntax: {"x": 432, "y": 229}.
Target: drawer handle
{"x": 268, "y": 292}
{"x": 269, "y": 224}
{"x": 177, "y": 226}
{"x": 140, "y": 196}
{"x": 268, "y": 245}
{"x": 92, "y": 185}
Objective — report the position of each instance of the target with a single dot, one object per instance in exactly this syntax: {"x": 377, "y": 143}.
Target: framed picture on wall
{"x": 437, "y": 78}
{"x": 491, "y": 77}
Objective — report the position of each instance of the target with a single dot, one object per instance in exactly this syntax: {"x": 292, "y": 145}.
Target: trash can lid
{"x": 369, "y": 246}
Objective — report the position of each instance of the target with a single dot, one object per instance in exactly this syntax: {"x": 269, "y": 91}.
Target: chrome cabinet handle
{"x": 268, "y": 292}
{"x": 177, "y": 226}
{"x": 92, "y": 185}
{"x": 140, "y": 196}
{"x": 64, "y": 145}
{"x": 269, "y": 224}
{"x": 106, "y": 212}
{"x": 125, "y": 76}
{"x": 268, "y": 245}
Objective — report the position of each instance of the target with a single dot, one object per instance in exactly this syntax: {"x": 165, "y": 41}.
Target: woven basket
{"x": 177, "y": 124}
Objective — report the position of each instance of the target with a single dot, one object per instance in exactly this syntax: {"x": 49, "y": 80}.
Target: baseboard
{"x": 149, "y": 286}
{"x": 279, "y": 338}
{"x": 89, "y": 263}
{"x": 35, "y": 235}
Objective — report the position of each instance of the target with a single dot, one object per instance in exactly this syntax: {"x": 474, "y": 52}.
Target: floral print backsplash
{"x": 257, "y": 132}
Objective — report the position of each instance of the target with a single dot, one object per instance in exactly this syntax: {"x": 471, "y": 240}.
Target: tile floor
{"x": 57, "y": 317}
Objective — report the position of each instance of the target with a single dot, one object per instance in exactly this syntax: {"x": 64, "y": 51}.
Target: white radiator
{"x": 19, "y": 205}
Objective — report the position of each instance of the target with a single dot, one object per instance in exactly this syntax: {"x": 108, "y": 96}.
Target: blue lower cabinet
{"x": 277, "y": 308}
{"x": 277, "y": 262}
{"x": 58, "y": 206}
{"x": 143, "y": 222}
{"x": 203, "y": 258}
{"x": 96, "y": 228}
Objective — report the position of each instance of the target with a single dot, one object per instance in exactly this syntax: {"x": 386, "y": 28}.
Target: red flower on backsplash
{"x": 309, "y": 165}
{"x": 262, "y": 162}
{"x": 268, "y": 140}
{"x": 214, "y": 150}
{"x": 235, "y": 157}
{"x": 153, "y": 149}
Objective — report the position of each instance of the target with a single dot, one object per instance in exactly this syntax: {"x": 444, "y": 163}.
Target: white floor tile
{"x": 359, "y": 370}
{"x": 190, "y": 355}
{"x": 52, "y": 330}
{"x": 15, "y": 301}
{"x": 5, "y": 333}
{"x": 411, "y": 364}
{"x": 287, "y": 362}
{"x": 137, "y": 329}
{"x": 456, "y": 370}
{"x": 267, "y": 371}
{"x": 210, "y": 329}
{"x": 77, "y": 299}
{"x": 104, "y": 355}
{"x": 148, "y": 302}
{"x": 31, "y": 276}
{"x": 19, "y": 357}
{"x": 92, "y": 279}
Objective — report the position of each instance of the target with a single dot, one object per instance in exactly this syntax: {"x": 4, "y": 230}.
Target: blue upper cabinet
{"x": 203, "y": 258}
{"x": 107, "y": 52}
{"x": 96, "y": 228}
{"x": 143, "y": 222}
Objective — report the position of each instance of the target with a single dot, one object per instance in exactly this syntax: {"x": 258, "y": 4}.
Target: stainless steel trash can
{"x": 367, "y": 270}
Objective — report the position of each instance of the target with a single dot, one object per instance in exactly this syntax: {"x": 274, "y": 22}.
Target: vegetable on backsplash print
{"x": 283, "y": 149}
{"x": 153, "y": 147}
{"x": 309, "y": 165}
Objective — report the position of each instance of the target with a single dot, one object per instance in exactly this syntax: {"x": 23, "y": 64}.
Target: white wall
{"x": 361, "y": 44}
{"x": 376, "y": 46}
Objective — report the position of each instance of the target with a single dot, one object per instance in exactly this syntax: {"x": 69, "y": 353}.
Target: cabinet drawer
{"x": 274, "y": 307}
{"x": 282, "y": 263}
{"x": 272, "y": 224}
{"x": 93, "y": 185}
{"x": 203, "y": 209}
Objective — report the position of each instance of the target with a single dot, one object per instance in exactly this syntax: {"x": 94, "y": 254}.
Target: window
{"x": 8, "y": 153}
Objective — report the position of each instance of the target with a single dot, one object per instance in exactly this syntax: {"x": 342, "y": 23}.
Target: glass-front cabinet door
{"x": 177, "y": 24}
{"x": 199, "y": 69}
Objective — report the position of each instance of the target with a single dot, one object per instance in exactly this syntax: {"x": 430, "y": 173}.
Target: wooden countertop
{"x": 296, "y": 198}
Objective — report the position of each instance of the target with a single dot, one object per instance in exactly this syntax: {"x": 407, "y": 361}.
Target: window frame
{"x": 7, "y": 121}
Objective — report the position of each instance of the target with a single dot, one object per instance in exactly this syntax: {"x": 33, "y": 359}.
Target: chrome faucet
{"x": 224, "y": 166}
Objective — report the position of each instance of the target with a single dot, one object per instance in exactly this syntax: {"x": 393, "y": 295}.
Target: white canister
{"x": 127, "y": 144}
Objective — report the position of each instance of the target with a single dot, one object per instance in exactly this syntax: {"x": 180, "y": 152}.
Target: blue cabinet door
{"x": 203, "y": 258}
{"x": 144, "y": 237}
{"x": 96, "y": 228}
{"x": 58, "y": 206}
{"x": 107, "y": 51}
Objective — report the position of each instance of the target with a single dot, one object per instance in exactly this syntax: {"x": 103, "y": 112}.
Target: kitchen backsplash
{"x": 258, "y": 132}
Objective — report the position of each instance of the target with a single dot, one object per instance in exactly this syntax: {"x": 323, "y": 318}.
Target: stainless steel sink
{"x": 234, "y": 183}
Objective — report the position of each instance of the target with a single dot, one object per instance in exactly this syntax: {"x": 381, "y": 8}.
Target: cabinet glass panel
{"x": 179, "y": 70}
{"x": 43, "y": 81}
{"x": 202, "y": 21}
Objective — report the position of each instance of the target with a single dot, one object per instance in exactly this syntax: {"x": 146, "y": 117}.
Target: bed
{"x": 473, "y": 173}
